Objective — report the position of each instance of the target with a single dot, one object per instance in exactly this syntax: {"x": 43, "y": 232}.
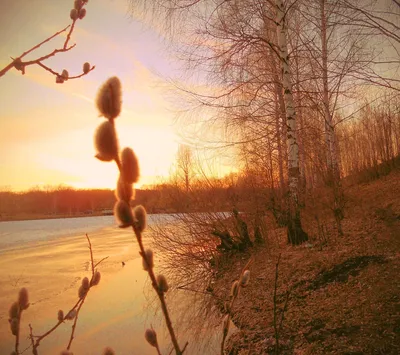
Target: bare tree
{"x": 296, "y": 235}
{"x": 185, "y": 165}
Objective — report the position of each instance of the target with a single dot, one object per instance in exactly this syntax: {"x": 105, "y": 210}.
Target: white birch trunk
{"x": 330, "y": 139}
{"x": 296, "y": 235}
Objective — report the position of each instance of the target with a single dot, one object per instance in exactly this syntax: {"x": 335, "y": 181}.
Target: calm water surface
{"x": 50, "y": 257}
{"x": 19, "y": 234}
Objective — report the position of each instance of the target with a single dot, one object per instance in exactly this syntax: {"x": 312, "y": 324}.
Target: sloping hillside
{"x": 343, "y": 292}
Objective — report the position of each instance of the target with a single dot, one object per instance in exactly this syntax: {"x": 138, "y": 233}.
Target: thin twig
{"x": 17, "y": 335}
{"x": 159, "y": 293}
{"x": 284, "y": 310}
{"x": 152, "y": 276}
{"x": 20, "y": 65}
{"x": 43, "y": 42}
{"x": 39, "y": 338}
{"x": 275, "y": 306}
{"x": 34, "y": 351}
{"x": 231, "y": 307}
{"x": 91, "y": 253}
{"x": 98, "y": 263}
{"x": 75, "y": 321}
{"x": 78, "y": 305}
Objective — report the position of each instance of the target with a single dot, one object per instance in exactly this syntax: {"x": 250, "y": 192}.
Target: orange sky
{"x": 46, "y": 129}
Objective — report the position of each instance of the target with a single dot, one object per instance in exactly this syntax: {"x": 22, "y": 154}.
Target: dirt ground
{"x": 335, "y": 294}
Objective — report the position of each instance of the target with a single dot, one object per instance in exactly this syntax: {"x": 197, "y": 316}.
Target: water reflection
{"x": 50, "y": 257}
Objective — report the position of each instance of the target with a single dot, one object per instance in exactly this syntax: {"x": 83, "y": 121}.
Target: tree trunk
{"x": 296, "y": 235}
{"x": 333, "y": 173}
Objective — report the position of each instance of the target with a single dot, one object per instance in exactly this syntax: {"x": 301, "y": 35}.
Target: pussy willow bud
{"x": 86, "y": 67}
{"x": 23, "y": 298}
{"x": 59, "y": 79}
{"x": 78, "y": 4}
{"x": 13, "y": 311}
{"x": 151, "y": 337}
{"x": 123, "y": 214}
{"x": 130, "y": 166}
{"x": 82, "y": 13}
{"x": 82, "y": 291}
{"x": 60, "y": 315}
{"x": 108, "y": 351}
{"x": 140, "y": 217}
{"x": 71, "y": 315}
{"x": 109, "y": 98}
{"x": 244, "y": 280}
{"x": 65, "y": 74}
{"x": 235, "y": 289}
{"x": 73, "y": 14}
{"x": 96, "y": 278}
{"x": 162, "y": 283}
{"x": 106, "y": 142}
{"x": 124, "y": 191}
{"x": 147, "y": 265}
{"x": 85, "y": 282}
{"x": 226, "y": 322}
{"x": 18, "y": 64}
{"x": 14, "y": 326}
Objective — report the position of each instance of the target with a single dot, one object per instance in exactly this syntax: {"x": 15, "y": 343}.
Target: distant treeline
{"x": 67, "y": 201}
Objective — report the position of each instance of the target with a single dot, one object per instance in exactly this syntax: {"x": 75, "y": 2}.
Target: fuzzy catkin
{"x": 82, "y": 13}
{"x": 147, "y": 265}
{"x": 109, "y": 98}
{"x": 65, "y": 74}
{"x": 85, "y": 282}
{"x": 130, "y": 166}
{"x": 151, "y": 337}
{"x": 14, "y": 326}
{"x": 141, "y": 217}
{"x": 124, "y": 190}
{"x": 78, "y": 4}
{"x": 96, "y": 278}
{"x": 235, "y": 289}
{"x": 23, "y": 298}
{"x": 13, "y": 311}
{"x": 82, "y": 292}
{"x": 86, "y": 67}
{"x": 106, "y": 142}
{"x": 108, "y": 351}
{"x": 123, "y": 214}
{"x": 162, "y": 283}
{"x": 71, "y": 315}
{"x": 73, "y": 14}
{"x": 60, "y": 315}
{"x": 244, "y": 280}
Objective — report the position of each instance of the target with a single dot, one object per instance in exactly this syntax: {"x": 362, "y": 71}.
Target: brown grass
{"x": 344, "y": 291}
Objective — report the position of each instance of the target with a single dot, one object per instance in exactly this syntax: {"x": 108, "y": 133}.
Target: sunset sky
{"x": 46, "y": 129}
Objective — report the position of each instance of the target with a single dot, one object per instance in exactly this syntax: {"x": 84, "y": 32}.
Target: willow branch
{"x": 20, "y": 65}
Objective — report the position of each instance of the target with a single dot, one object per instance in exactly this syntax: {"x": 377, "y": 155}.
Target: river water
{"x": 50, "y": 257}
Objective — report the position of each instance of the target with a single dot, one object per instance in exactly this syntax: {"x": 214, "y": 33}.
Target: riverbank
{"x": 31, "y": 217}
{"x": 334, "y": 295}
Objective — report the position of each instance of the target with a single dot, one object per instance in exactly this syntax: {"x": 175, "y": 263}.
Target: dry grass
{"x": 344, "y": 291}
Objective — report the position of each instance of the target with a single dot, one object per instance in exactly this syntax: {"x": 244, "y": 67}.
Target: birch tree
{"x": 232, "y": 45}
{"x": 296, "y": 234}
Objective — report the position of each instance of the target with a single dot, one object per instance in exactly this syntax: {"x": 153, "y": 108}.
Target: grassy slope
{"x": 344, "y": 291}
